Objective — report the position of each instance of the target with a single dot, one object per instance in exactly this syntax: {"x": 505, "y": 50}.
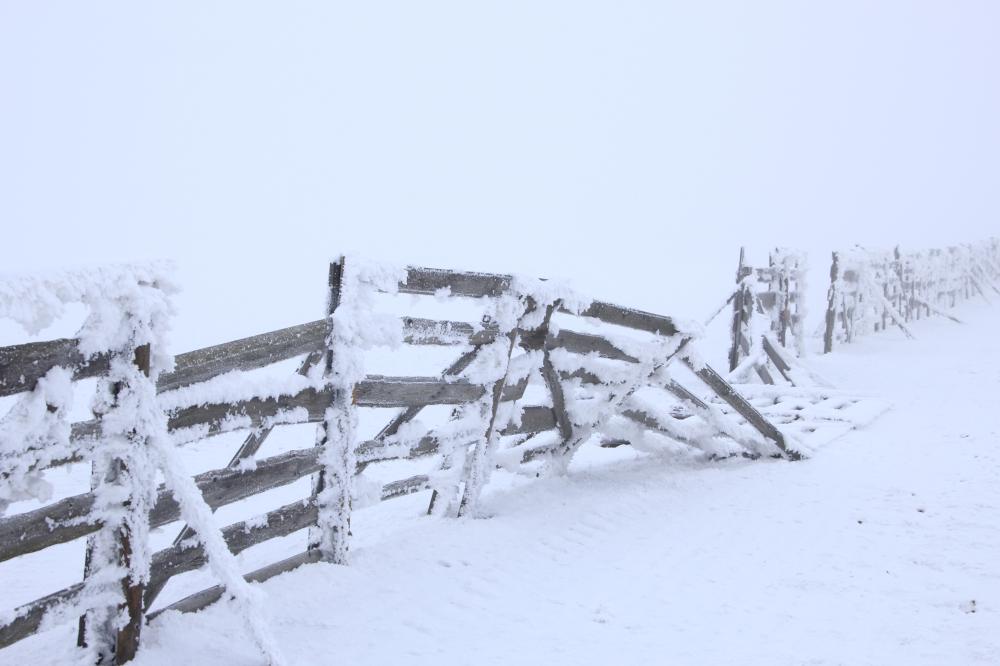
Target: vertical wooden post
{"x": 483, "y": 449}
{"x": 337, "y": 436}
{"x": 124, "y": 642}
{"x": 831, "y": 306}
{"x": 742, "y": 310}
{"x": 127, "y": 640}
{"x": 781, "y": 284}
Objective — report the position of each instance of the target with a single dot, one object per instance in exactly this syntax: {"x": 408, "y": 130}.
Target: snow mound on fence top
{"x": 141, "y": 290}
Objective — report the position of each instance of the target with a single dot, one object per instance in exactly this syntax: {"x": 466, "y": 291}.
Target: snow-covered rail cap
{"x": 128, "y": 305}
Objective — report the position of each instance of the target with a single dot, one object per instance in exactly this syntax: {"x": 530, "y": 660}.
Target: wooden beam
{"x": 724, "y": 390}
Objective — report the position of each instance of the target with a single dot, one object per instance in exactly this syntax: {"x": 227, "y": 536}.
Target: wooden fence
{"x": 773, "y": 293}
{"x": 590, "y": 366}
{"x": 871, "y": 291}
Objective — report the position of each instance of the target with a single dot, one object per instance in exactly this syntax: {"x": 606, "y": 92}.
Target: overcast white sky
{"x": 631, "y": 146}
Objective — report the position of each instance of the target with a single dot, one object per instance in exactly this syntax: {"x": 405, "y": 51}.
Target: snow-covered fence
{"x": 768, "y": 314}
{"x": 120, "y": 343}
{"x": 542, "y": 373}
{"x": 871, "y": 291}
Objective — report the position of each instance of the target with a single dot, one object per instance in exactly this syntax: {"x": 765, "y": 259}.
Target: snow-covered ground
{"x": 881, "y": 549}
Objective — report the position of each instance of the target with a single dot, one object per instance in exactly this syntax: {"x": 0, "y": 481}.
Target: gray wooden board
{"x": 70, "y": 518}
{"x": 22, "y": 365}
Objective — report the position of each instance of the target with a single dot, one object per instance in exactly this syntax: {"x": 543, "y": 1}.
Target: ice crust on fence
{"x": 470, "y": 445}
{"x": 355, "y": 326}
{"x": 142, "y": 290}
{"x": 33, "y": 433}
{"x": 128, "y": 307}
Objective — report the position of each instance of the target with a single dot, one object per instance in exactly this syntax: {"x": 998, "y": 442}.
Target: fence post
{"x": 742, "y": 310}
{"x": 123, "y": 642}
{"x": 332, "y": 488}
{"x": 831, "y": 306}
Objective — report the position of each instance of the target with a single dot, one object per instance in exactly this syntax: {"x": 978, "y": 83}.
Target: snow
{"x": 878, "y": 550}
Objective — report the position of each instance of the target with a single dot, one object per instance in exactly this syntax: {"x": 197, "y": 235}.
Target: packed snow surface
{"x": 880, "y": 549}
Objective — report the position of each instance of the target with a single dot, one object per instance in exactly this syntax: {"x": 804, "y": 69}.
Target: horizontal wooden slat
{"x": 205, "y": 598}
{"x": 374, "y": 391}
{"x": 437, "y": 332}
{"x": 28, "y": 618}
{"x": 379, "y": 391}
{"x": 619, "y": 315}
{"x": 534, "y": 419}
{"x": 182, "y": 557}
{"x": 460, "y": 283}
{"x": 56, "y": 523}
{"x": 403, "y": 487}
{"x": 218, "y": 417}
{"x": 67, "y": 519}
{"x": 21, "y": 366}
{"x": 245, "y": 354}
{"x": 584, "y": 343}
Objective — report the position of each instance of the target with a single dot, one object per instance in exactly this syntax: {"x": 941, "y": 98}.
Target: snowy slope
{"x": 872, "y": 552}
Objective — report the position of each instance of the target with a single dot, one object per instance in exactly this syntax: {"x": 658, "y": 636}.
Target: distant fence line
{"x": 869, "y": 291}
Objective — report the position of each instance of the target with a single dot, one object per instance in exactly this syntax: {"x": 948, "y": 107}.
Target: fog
{"x": 631, "y": 147}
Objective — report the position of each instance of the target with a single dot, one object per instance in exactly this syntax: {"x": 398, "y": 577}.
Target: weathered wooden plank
{"x": 724, "y": 390}
{"x": 56, "y": 523}
{"x": 682, "y": 392}
{"x": 619, "y": 315}
{"x": 585, "y": 343}
{"x": 249, "y": 353}
{"x": 274, "y": 346}
{"x": 21, "y": 366}
{"x": 28, "y": 618}
{"x": 375, "y": 391}
{"x": 403, "y": 487}
{"x": 778, "y": 360}
{"x": 418, "y": 331}
{"x": 247, "y": 449}
{"x": 68, "y": 519}
{"x": 209, "y": 596}
{"x": 585, "y": 376}
{"x": 410, "y": 413}
{"x": 252, "y": 413}
{"x": 378, "y": 391}
{"x": 429, "y": 281}
{"x": 205, "y": 598}
{"x": 280, "y": 522}
{"x": 534, "y": 419}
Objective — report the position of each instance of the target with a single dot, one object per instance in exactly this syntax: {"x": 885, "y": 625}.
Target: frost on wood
{"x": 127, "y": 317}
{"x": 768, "y": 301}
{"x": 32, "y": 434}
{"x": 355, "y": 326}
{"x": 525, "y": 310}
{"x": 141, "y": 291}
